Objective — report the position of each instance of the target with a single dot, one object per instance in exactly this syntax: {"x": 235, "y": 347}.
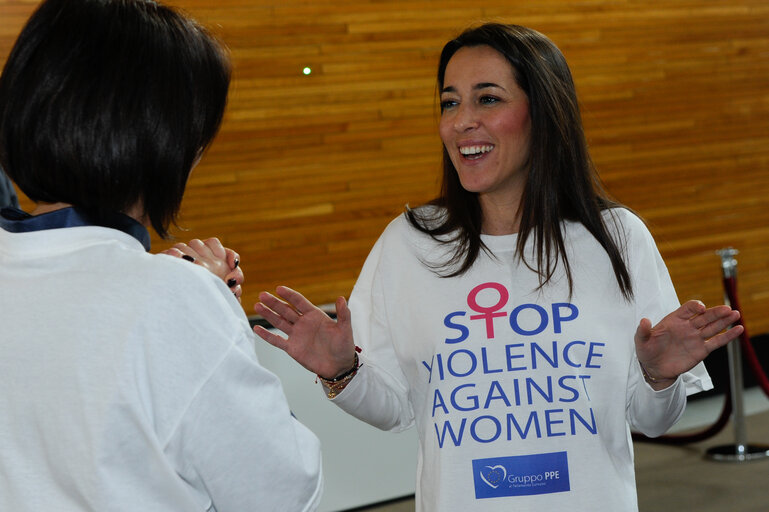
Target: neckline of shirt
{"x": 15, "y": 220}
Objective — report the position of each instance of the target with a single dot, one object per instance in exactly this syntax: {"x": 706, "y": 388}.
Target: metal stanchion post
{"x": 740, "y": 451}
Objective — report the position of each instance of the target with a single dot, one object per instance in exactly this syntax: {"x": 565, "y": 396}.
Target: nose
{"x": 466, "y": 118}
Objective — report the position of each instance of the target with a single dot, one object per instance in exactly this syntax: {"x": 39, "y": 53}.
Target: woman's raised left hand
{"x": 683, "y": 339}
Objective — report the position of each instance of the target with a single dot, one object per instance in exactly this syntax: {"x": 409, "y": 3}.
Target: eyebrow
{"x": 476, "y": 87}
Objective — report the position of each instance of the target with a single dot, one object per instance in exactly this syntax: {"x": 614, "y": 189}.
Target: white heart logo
{"x": 494, "y": 475}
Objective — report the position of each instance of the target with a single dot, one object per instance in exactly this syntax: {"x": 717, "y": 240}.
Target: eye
{"x": 488, "y": 100}
{"x": 448, "y": 103}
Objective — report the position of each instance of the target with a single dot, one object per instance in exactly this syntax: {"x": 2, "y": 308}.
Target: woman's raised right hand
{"x": 317, "y": 342}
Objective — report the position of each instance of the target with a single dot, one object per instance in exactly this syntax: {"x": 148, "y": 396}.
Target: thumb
{"x": 343, "y": 315}
{"x": 644, "y": 331}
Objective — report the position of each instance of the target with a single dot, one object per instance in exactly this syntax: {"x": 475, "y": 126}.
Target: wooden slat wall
{"x": 308, "y": 170}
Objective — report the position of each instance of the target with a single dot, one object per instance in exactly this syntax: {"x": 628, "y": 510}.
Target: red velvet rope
{"x": 730, "y": 286}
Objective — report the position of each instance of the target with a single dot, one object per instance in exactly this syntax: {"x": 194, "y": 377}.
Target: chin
{"x": 473, "y": 186}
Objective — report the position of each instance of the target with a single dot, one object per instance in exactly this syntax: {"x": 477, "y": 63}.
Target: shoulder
{"x": 636, "y": 241}
{"x": 626, "y": 226}
{"x": 414, "y": 221}
{"x": 180, "y": 277}
{"x": 189, "y": 316}
{"x": 403, "y": 245}
{"x": 404, "y": 231}
{"x": 171, "y": 290}
{"x": 625, "y": 217}
{"x": 620, "y": 223}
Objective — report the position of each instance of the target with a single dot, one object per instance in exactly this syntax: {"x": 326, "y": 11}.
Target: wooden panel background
{"x": 308, "y": 169}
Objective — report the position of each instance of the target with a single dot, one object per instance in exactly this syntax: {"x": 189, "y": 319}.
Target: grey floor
{"x": 682, "y": 478}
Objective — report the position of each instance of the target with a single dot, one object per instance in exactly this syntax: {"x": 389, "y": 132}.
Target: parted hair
{"x": 562, "y": 182}
{"x": 108, "y": 104}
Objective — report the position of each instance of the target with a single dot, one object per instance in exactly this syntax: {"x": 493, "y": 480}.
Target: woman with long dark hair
{"x": 511, "y": 318}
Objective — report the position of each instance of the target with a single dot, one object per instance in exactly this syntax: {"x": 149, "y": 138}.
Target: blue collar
{"x": 17, "y": 221}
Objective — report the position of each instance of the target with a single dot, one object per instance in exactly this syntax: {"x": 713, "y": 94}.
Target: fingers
{"x": 710, "y": 321}
{"x": 173, "y": 251}
{"x": 211, "y": 248}
{"x": 233, "y": 258}
{"x": 234, "y": 278}
{"x": 719, "y": 324}
{"x": 284, "y": 311}
{"x": 271, "y": 338}
{"x": 216, "y": 248}
{"x": 714, "y": 314}
{"x": 279, "y": 306}
{"x": 724, "y": 338}
{"x": 195, "y": 248}
{"x": 296, "y": 299}
{"x": 182, "y": 250}
{"x": 273, "y": 318}
{"x": 213, "y": 256}
{"x": 690, "y": 309}
{"x": 277, "y": 312}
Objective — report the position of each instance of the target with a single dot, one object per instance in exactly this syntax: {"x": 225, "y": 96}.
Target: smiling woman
{"x": 456, "y": 293}
{"x": 449, "y": 326}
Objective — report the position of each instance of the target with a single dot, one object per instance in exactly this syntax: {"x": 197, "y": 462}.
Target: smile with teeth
{"x": 475, "y": 151}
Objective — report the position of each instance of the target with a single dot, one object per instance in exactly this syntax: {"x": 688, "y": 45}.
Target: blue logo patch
{"x": 521, "y": 475}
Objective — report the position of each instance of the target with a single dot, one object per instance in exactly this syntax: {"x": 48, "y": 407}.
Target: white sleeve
{"x": 378, "y": 394}
{"x": 239, "y": 446}
{"x": 651, "y": 412}
{"x": 654, "y": 412}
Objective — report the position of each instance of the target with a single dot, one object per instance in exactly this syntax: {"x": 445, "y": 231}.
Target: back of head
{"x": 107, "y": 104}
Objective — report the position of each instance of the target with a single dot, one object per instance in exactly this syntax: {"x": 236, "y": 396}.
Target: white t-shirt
{"x": 130, "y": 383}
{"x": 523, "y": 398}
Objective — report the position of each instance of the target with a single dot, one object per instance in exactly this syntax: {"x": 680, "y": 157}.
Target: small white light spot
{"x": 307, "y": 70}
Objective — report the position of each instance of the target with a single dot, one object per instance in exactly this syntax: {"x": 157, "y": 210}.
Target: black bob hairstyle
{"x": 562, "y": 183}
{"x": 108, "y": 104}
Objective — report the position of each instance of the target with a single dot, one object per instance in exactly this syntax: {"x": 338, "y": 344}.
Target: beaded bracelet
{"x": 344, "y": 375}
{"x": 338, "y": 383}
{"x": 334, "y": 388}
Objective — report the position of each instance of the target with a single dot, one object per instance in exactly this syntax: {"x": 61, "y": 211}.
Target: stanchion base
{"x": 737, "y": 453}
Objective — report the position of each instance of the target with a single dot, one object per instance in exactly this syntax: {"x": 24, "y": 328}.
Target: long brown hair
{"x": 562, "y": 182}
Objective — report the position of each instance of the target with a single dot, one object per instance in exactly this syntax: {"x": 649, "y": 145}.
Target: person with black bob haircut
{"x": 102, "y": 112}
{"x": 522, "y": 320}
{"x": 129, "y": 379}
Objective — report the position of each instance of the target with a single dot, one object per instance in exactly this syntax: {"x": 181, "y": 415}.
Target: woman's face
{"x": 485, "y": 124}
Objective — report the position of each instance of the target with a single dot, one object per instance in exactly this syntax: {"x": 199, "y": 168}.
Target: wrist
{"x": 350, "y": 368}
{"x": 336, "y": 384}
{"x": 655, "y": 381}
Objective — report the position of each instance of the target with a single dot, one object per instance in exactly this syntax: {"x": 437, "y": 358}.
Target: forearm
{"x": 376, "y": 399}
{"x": 653, "y": 411}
